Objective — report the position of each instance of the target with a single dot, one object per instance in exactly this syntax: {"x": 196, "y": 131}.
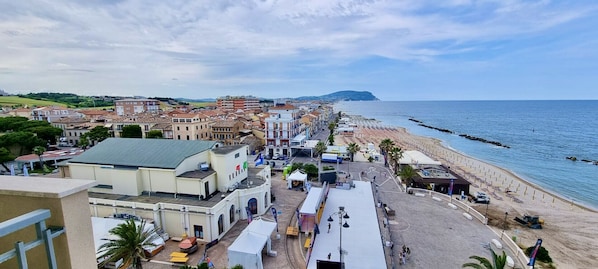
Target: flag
{"x": 244, "y": 165}
{"x": 12, "y": 169}
{"x": 25, "y": 171}
{"x": 259, "y": 156}
{"x": 249, "y": 216}
{"x": 532, "y": 258}
{"x": 238, "y": 167}
{"x": 316, "y": 229}
{"x": 450, "y": 189}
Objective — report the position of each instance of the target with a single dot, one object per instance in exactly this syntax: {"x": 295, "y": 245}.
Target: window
{"x": 237, "y": 155}
{"x": 221, "y": 224}
{"x": 187, "y": 128}
{"x": 187, "y": 137}
{"x": 266, "y": 200}
{"x": 231, "y": 213}
{"x": 178, "y": 128}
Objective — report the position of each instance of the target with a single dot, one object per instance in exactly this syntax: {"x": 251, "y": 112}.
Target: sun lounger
{"x": 179, "y": 259}
{"x": 178, "y": 254}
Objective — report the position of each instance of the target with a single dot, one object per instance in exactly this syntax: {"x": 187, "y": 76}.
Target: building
{"x": 53, "y": 113}
{"x": 185, "y": 187}
{"x": 134, "y": 106}
{"x": 145, "y": 121}
{"x": 282, "y": 125}
{"x": 190, "y": 126}
{"x": 227, "y": 131}
{"x": 238, "y": 103}
{"x": 33, "y": 206}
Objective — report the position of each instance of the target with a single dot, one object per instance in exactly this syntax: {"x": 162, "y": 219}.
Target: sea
{"x": 540, "y": 135}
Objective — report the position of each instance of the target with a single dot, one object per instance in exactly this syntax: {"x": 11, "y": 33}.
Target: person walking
{"x": 328, "y": 227}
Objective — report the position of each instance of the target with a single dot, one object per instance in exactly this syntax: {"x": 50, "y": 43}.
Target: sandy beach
{"x": 569, "y": 229}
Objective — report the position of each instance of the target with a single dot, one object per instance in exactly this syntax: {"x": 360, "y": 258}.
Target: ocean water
{"x": 540, "y": 134}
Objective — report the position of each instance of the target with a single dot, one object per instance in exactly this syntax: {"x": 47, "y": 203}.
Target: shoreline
{"x": 561, "y": 235}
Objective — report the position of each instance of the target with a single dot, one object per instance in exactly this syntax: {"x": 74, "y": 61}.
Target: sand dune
{"x": 570, "y": 229}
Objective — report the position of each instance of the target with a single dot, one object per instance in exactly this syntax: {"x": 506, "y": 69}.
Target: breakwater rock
{"x": 573, "y": 158}
{"x": 484, "y": 140}
{"x": 436, "y": 128}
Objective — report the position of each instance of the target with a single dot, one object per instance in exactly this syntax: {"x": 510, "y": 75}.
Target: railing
{"x": 44, "y": 236}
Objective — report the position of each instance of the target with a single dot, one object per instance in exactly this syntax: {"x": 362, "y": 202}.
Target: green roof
{"x": 136, "y": 152}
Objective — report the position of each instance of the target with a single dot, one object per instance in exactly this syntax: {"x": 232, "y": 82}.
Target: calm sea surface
{"x": 540, "y": 133}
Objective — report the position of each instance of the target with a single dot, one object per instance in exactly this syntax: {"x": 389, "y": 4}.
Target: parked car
{"x": 480, "y": 197}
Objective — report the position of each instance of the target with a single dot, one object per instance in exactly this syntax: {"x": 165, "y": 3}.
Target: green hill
{"x": 20, "y": 101}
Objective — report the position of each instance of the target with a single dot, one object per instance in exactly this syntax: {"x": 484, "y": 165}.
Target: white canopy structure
{"x": 247, "y": 248}
{"x": 415, "y": 157}
{"x": 296, "y": 176}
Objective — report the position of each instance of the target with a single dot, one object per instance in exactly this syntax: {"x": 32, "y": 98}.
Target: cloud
{"x": 133, "y": 46}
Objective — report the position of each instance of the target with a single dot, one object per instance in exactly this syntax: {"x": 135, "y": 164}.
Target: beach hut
{"x": 296, "y": 178}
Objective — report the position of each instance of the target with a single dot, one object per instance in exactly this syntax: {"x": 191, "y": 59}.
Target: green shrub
{"x": 541, "y": 256}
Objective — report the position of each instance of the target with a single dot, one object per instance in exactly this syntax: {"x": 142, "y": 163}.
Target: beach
{"x": 569, "y": 228}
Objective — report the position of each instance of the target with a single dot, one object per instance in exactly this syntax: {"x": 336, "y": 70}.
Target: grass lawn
{"x": 15, "y": 100}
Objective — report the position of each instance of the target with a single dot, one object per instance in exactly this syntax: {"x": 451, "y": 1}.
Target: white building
{"x": 281, "y": 127}
{"x": 186, "y": 187}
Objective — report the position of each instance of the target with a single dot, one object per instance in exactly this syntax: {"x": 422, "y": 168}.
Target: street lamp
{"x": 342, "y": 215}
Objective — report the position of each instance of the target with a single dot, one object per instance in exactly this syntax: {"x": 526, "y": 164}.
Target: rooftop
{"x": 226, "y": 149}
{"x": 137, "y": 152}
{"x": 42, "y": 186}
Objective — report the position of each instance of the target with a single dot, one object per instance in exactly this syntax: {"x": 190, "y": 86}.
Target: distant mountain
{"x": 341, "y": 96}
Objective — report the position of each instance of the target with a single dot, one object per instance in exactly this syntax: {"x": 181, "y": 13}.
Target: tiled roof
{"x": 136, "y": 152}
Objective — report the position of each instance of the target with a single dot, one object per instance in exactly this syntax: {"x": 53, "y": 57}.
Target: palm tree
{"x": 331, "y": 127}
{"x": 498, "y": 262}
{"x": 407, "y": 174}
{"x": 129, "y": 240}
{"x": 39, "y": 151}
{"x": 352, "y": 149}
{"x": 320, "y": 148}
{"x": 385, "y": 145}
{"x": 396, "y": 154}
{"x": 331, "y": 139}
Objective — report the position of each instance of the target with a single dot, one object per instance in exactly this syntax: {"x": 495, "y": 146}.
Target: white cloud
{"x": 133, "y": 46}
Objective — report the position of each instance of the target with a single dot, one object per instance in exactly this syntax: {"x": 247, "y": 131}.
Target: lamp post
{"x": 342, "y": 214}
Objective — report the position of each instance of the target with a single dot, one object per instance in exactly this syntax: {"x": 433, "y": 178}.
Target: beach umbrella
{"x": 25, "y": 171}
{"x": 12, "y": 169}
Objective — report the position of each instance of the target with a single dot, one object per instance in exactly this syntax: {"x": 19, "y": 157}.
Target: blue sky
{"x": 398, "y": 50}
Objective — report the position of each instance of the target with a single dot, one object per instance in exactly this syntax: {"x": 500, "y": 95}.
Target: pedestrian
{"x": 329, "y": 254}
{"x": 403, "y": 258}
{"x": 328, "y": 227}
{"x": 408, "y": 251}
{"x": 404, "y": 248}
{"x": 392, "y": 245}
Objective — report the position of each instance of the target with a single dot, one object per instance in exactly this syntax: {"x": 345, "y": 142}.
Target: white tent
{"x": 296, "y": 176}
{"x": 247, "y": 248}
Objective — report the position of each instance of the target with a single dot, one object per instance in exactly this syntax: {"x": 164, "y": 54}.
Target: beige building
{"x": 227, "y": 131}
{"x": 68, "y": 223}
{"x": 126, "y": 107}
{"x": 186, "y": 187}
{"x": 190, "y": 126}
{"x": 145, "y": 121}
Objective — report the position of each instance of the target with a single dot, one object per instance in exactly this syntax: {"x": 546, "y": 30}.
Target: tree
{"x": 6, "y": 156}
{"x": 385, "y": 146}
{"x": 46, "y": 133}
{"x": 39, "y": 151}
{"x": 311, "y": 170}
{"x": 98, "y": 134}
{"x": 83, "y": 141}
{"x": 132, "y": 131}
{"x": 129, "y": 240}
{"x": 407, "y": 174}
{"x": 396, "y": 154}
{"x": 331, "y": 139}
{"x": 498, "y": 262}
{"x": 352, "y": 149}
{"x": 155, "y": 134}
{"x": 8, "y": 123}
{"x": 320, "y": 148}
{"x": 20, "y": 143}
{"x": 331, "y": 127}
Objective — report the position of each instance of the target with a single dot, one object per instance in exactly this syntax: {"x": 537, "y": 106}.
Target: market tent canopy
{"x": 247, "y": 248}
{"x": 296, "y": 176}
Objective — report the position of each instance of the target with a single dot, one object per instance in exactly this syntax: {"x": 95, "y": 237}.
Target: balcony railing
{"x": 44, "y": 236}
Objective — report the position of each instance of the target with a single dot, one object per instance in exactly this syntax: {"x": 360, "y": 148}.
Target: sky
{"x": 397, "y": 50}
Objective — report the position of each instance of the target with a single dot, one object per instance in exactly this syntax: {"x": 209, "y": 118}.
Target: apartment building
{"x": 227, "y": 131}
{"x": 190, "y": 126}
{"x": 238, "y": 103}
{"x": 146, "y": 121}
{"x": 282, "y": 125}
{"x": 134, "y": 106}
{"x": 53, "y": 113}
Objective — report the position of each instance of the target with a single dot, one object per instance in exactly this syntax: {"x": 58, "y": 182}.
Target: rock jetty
{"x": 573, "y": 158}
{"x": 420, "y": 123}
